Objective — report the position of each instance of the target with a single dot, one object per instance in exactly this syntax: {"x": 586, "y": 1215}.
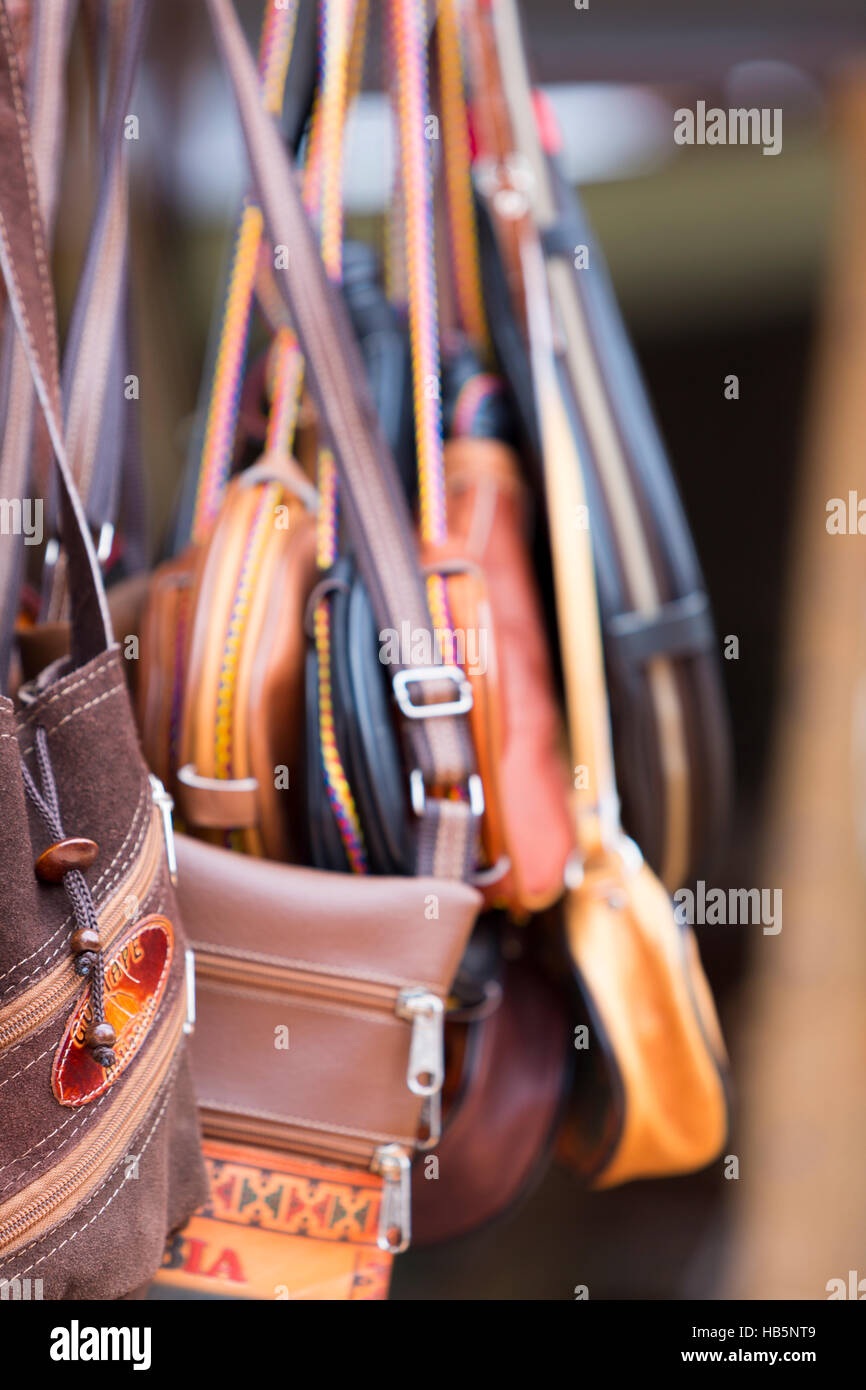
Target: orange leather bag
{"x": 241, "y": 726}
{"x": 653, "y": 1027}
{"x": 652, "y": 1044}
{"x": 515, "y": 720}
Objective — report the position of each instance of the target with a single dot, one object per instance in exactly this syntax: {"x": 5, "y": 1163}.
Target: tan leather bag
{"x": 241, "y": 711}
{"x": 653, "y": 1024}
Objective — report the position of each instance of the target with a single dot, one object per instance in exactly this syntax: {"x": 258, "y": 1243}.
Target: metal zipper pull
{"x": 165, "y": 803}
{"x": 189, "y": 964}
{"x": 431, "y": 1122}
{"x": 427, "y": 1050}
{"x": 395, "y": 1216}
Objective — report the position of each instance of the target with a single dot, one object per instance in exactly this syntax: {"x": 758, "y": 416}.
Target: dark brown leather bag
{"x": 99, "y": 1151}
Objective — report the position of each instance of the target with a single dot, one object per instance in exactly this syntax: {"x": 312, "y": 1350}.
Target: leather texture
{"x": 161, "y": 677}
{"x": 325, "y": 957}
{"x": 66, "y": 1212}
{"x": 655, "y": 1026}
{"x": 65, "y": 1205}
{"x": 221, "y": 688}
{"x": 670, "y": 724}
{"x": 649, "y": 1002}
{"x": 372, "y": 498}
{"x": 516, "y": 723}
{"x": 499, "y": 1128}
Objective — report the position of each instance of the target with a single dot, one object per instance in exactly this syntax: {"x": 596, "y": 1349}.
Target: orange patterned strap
{"x": 277, "y": 1226}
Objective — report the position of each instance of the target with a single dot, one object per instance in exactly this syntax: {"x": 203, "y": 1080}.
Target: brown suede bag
{"x": 99, "y": 1149}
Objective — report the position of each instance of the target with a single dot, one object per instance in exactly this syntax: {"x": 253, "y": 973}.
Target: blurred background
{"x": 725, "y": 261}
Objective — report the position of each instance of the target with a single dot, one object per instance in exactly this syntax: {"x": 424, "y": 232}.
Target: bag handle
{"x": 95, "y": 340}
{"x": 596, "y": 799}
{"x": 375, "y": 507}
{"x": 23, "y": 446}
{"x": 24, "y": 264}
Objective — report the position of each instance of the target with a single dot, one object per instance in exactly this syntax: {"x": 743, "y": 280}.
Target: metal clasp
{"x": 418, "y": 675}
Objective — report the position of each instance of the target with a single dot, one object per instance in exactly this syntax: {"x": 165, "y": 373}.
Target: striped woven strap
{"x": 374, "y": 505}
{"x": 275, "y": 47}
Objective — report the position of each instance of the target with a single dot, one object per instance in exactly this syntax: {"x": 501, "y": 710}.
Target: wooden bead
{"x": 72, "y": 853}
{"x": 84, "y": 940}
{"x": 100, "y": 1035}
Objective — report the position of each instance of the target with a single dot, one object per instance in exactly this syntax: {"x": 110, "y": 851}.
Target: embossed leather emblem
{"x": 135, "y": 973}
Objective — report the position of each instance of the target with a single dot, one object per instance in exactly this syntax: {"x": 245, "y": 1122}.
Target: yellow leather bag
{"x": 658, "y": 1049}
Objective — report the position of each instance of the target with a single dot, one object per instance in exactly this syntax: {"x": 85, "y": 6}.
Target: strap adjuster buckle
{"x": 419, "y": 675}
{"x": 418, "y": 793}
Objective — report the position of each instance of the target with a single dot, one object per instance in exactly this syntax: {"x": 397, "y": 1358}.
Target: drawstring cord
{"x": 85, "y": 941}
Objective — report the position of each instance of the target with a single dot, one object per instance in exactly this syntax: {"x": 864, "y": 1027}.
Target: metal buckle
{"x": 418, "y": 793}
{"x": 414, "y": 675}
{"x": 103, "y": 544}
{"x": 190, "y": 778}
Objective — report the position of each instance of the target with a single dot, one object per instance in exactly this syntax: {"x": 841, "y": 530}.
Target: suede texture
{"x": 110, "y": 1241}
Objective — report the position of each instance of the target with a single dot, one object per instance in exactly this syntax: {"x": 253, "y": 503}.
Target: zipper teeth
{"x": 231, "y": 1125}
{"x": 270, "y": 978}
{"x": 28, "y": 1018}
{"x": 86, "y": 1162}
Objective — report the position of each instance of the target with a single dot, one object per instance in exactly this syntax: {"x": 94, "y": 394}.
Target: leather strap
{"x": 596, "y": 800}
{"x": 682, "y": 627}
{"x": 17, "y": 398}
{"x": 217, "y": 803}
{"x": 25, "y": 267}
{"x": 374, "y": 504}
{"x": 510, "y": 93}
{"x": 95, "y": 332}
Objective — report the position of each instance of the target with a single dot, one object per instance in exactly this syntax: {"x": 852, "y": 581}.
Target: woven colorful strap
{"x": 408, "y": 33}
{"x": 342, "y": 33}
{"x": 457, "y": 163}
{"x": 278, "y": 31}
{"x": 285, "y": 377}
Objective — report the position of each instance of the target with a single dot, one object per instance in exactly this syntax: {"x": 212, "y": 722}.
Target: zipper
{"x": 165, "y": 804}
{"x": 89, "y": 1164}
{"x": 419, "y": 1006}
{"x": 61, "y": 986}
{"x": 392, "y": 1163}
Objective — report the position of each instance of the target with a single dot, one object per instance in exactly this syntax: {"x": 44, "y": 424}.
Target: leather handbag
{"x": 241, "y": 731}
{"x": 652, "y": 1022}
{"x": 321, "y": 1020}
{"x": 99, "y": 1150}
{"x": 517, "y": 727}
{"x": 651, "y": 1099}
{"x": 669, "y": 718}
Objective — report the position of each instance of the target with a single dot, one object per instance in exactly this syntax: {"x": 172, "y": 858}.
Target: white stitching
{"x": 144, "y": 1147}
{"x": 88, "y": 1115}
{"x": 61, "y": 694}
{"x": 29, "y": 1065}
{"x": 97, "y": 700}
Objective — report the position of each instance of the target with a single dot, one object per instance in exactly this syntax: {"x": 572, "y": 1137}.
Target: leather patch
{"x": 135, "y": 975}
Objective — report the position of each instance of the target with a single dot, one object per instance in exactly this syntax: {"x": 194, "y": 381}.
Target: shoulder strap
{"x": 20, "y": 441}
{"x": 596, "y": 800}
{"x": 25, "y": 269}
{"x": 95, "y": 336}
{"x": 374, "y": 504}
